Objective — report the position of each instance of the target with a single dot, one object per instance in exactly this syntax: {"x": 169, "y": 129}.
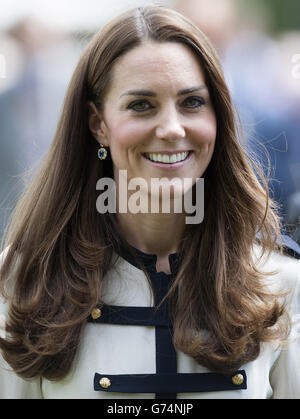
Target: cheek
{"x": 204, "y": 133}
{"x": 126, "y": 134}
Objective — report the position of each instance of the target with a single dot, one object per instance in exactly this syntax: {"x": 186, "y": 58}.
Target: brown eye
{"x": 140, "y": 106}
{"x": 193, "y": 102}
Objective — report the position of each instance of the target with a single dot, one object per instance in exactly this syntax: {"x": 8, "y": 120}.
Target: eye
{"x": 193, "y": 102}
{"x": 140, "y": 106}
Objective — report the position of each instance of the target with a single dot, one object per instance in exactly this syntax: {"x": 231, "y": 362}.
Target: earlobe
{"x": 96, "y": 124}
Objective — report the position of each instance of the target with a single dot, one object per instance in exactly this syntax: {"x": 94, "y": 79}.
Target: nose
{"x": 169, "y": 126}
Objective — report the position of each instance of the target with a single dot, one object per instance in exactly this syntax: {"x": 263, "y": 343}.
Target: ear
{"x": 97, "y": 125}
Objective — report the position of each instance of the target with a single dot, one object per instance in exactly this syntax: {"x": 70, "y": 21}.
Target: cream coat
{"x": 130, "y": 349}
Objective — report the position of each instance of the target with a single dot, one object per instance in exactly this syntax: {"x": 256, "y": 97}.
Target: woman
{"x": 124, "y": 305}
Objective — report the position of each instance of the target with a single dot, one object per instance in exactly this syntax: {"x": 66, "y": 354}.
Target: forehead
{"x": 157, "y": 65}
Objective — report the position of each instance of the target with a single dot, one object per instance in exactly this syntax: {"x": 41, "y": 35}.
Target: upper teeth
{"x": 167, "y": 158}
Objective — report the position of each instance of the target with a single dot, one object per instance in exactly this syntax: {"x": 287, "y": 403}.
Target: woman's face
{"x": 158, "y": 120}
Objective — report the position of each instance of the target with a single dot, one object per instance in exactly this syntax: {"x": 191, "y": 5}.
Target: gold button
{"x": 96, "y": 313}
{"x": 105, "y": 382}
{"x": 238, "y": 379}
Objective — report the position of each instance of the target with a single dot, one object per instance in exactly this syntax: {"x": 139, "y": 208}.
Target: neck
{"x": 157, "y": 234}
{"x": 156, "y": 231}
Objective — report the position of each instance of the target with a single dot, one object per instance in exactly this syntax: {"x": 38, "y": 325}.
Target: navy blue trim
{"x": 166, "y": 383}
{"x": 141, "y": 316}
{"x": 170, "y": 383}
{"x": 290, "y": 246}
{"x": 136, "y": 257}
{"x": 166, "y": 358}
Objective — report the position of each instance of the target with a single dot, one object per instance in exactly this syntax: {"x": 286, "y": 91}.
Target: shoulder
{"x": 284, "y": 379}
{"x": 290, "y": 247}
{"x": 11, "y": 385}
{"x": 282, "y": 270}
{"x": 287, "y": 261}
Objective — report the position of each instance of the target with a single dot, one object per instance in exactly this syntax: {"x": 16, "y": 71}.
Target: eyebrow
{"x": 153, "y": 94}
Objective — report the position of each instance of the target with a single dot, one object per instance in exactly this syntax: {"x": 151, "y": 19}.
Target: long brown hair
{"x": 60, "y": 247}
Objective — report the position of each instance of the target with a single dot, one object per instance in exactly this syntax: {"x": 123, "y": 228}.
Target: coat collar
{"x": 136, "y": 258}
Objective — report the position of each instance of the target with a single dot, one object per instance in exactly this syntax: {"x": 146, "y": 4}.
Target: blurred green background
{"x": 284, "y": 14}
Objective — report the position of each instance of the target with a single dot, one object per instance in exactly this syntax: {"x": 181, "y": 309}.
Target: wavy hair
{"x": 60, "y": 247}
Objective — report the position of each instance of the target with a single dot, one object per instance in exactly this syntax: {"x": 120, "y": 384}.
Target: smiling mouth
{"x": 167, "y": 158}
